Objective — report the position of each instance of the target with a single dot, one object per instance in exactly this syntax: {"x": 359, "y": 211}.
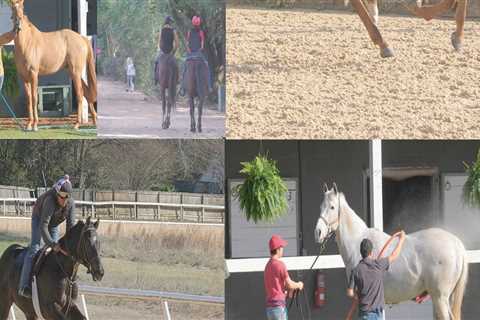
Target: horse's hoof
{"x": 456, "y": 42}
{"x": 76, "y": 127}
{"x": 35, "y": 128}
{"x": 386, "y": 53}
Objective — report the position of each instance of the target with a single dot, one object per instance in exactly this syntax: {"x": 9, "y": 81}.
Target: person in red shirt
{"x": 277, "y": 281}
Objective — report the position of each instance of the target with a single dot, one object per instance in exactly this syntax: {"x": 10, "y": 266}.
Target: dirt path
{"x": 314, "y": 74}
{"x": 133, "y": 115}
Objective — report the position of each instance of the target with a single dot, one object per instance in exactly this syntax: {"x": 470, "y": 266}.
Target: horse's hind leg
{"x": 164, "y": 105}
{"x": 77, "y": 83}
{"x": 431, "y": 11}
{"x": 441, "y": 307}
{"x": 457, "y": 36}
{"x": 372, "y": 29}
{"x": 191, "y": 102}
{"x": 200, "y": 111}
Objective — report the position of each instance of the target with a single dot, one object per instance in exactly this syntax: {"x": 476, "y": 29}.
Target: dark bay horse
{"x": 196, "y": 86}
{"x": 55, "y": 276}
{"x": 167, "y": 75}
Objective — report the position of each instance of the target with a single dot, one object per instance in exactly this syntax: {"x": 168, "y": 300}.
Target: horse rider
{"x": 51, "y": 209}
{"x": 195, "y": 48}
{"x": 277, "y": 281}
{"x": 366, "y": 280}
{"x": 168, "y": 42}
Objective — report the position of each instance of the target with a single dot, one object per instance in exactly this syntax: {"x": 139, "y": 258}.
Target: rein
{"x": 77, "y": 260}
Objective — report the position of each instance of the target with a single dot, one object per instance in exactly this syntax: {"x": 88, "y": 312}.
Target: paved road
{"x": 133, "y": 115}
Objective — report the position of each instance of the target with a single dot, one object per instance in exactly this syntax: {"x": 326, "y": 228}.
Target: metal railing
{"x": 215, "y": 212}
{"x": 150, "y": 295}
{"x": 160, "y": 296}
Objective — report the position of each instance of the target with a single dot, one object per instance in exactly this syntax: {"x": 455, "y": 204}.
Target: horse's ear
{"x": 96, "y": 224}
{"x": 88, "y": 220}
{"x": 325, "y": 188}
{"x": 335, "y": 188}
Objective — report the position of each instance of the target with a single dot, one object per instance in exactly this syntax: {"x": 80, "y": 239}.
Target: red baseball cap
{"x": 276, "y": 242}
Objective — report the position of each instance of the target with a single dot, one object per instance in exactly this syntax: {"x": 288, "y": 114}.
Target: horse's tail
{"x": 6, "y": 261}
{"x": 459, "y": 291}
{"x": 90, "y": 90}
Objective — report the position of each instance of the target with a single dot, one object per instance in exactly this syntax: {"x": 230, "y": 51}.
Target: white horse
{"x": 432, "y": 261}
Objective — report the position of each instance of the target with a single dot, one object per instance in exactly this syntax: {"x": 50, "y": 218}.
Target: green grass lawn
{"x": 51, "y": 133}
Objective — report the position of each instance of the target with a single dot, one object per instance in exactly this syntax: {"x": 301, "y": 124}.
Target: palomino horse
{"x": 56, "y": 292}
{"x": 432, "y": 261}
{"x": 42, "y": 53}
{"x": 196, "y": 86}
{"x": 369, "y": 16}
{"x": 167, "y": 75}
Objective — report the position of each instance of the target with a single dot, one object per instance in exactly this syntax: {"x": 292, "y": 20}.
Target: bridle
{"x": 80, "y": 257}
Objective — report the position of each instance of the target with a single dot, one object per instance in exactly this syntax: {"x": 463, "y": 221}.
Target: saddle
{"x": 37, "y": 262}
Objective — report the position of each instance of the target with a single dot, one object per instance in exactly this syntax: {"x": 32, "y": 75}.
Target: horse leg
{"x": 169, "y": 108}
{"x": 164, "y": 103}
{"x": 441, "y": 307}
{"x": 374, "y": 33}
{"x": 28, "y": 96}
{"x": 77, "y": 83}
{"x": 461, "y": 13}
{"x": 5, "y": 305}
{"x": 372, "y": 6}
{"x": 75, "y": 314}
{"x": 430, "y": 11}
{"x": 200, "y": 111}
{"x": 34, "y": 97}
{"x": 191, "y": 102}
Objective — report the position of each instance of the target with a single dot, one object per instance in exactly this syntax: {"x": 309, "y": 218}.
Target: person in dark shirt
{"x": 51, "y": 209}
{"x": 168, "y": 43}
{"x": 366, "y": 280}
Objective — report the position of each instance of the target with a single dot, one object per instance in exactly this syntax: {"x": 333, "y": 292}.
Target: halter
{"x": 17, "y": 23}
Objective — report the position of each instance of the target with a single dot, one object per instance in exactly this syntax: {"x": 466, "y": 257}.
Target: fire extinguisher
{"x": 320, "y": 290}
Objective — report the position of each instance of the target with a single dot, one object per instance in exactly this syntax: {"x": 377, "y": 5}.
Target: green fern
{"x": 471, "y": 189}
{"x": 10, "y": 84}
{"x": 263, "y": 194}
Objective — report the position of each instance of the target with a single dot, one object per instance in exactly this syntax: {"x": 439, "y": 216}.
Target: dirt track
{"x": 133, "y": 115}
{"x": 315, "y": 74}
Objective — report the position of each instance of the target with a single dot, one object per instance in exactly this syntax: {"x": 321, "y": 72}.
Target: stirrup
{"x": 25, "y": 292}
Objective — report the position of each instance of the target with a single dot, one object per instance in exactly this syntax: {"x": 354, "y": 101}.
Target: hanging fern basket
{"x": 263, "y": 194}
{"x": 471, "y": 189}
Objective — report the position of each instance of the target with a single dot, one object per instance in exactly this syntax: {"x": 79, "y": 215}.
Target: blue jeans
{"x": 1, "y": 81}
{"x": 34, "y": 247}
{"x": 131, "y": 84}
{"x": 374, "y": 315}
{"x": 277, "y": 313}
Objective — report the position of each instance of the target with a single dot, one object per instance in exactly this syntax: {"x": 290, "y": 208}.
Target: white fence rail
{"x": 203, "y": 212}
{"x": 160, "y": 296}
{"x": 150, "y": 295}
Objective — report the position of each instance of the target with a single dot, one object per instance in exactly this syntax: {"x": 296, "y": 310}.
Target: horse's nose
{"x": 317, "y": 234}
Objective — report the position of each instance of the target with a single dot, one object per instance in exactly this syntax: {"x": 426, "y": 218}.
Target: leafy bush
{"x": 262, "y": 195}
{"x": 471, "y": 189}
{"x": 10, "y": 84}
